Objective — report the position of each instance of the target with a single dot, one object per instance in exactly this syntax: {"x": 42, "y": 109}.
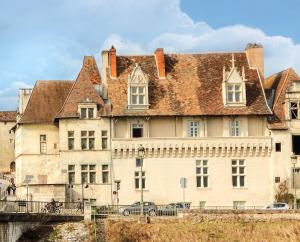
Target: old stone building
{"x": 202, "y": 117}
{"x": 7, "y": 142}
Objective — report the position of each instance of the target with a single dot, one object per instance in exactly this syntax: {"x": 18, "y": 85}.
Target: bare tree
{"x": 283, "y": 194}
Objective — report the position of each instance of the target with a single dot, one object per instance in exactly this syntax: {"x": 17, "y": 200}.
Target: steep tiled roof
{"x": 8, "y": 116}
{"x": 276, "y": 87}
{"x": 193, "y": 86}
{"x": 45, "y": 102}
{"x": 83, "y": 91}
{"x": 90, "y": 67}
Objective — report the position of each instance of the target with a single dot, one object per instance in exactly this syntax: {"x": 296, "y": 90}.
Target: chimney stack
{"x": 113, "y": 62}
{"x": 255, "y": 55}
{"x": 104, "y": 72}
{"x": 160, "y": 62}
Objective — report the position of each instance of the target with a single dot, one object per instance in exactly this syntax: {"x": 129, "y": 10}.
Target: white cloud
{"x": 55, "y": 36}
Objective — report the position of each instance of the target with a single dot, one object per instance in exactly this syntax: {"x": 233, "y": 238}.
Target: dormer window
{"x": 234, "y": 86}
{"x": 138, "y": 95}
{"x": 234, "y": 92}
{"x": 87, "y": 110}
{"x": 138, "y": 89}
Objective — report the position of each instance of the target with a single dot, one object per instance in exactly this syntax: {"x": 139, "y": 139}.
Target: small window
{"x": 278, "y": 147}
{"x": 137, "y": 130}
{"x": 234, "y": 93}
{"x": 294, "y": 110}
{"x": 193, "y": 127}
{"x": 137, "y": 179}
{"x": 91, "y": 112}
{"x": 43, "y": 144}
{"x": 239, "y": 204}
{"x": 202, "y": 204}
{"x": 70, "y": 140}
{"x": 105, "y": 174}
{"x": 71, "y": 174}
{"x": 202, "y": 173}
{"x": 104, "y": 139}
{"x": 296, "y": 144}
{"x": 235, "y": 127}
{"x": 238, "y": 169}
{"x": 87, "y": 140}
{"x": 138, "y": 162}
{"x": 277, "y": 179}
{"x": 83, "y": 113}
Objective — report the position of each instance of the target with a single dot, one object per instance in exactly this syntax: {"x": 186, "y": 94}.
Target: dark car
{"x": 135, "y": 209}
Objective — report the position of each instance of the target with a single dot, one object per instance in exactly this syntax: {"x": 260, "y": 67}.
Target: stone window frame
{"x": 105, "y": 173}
{"x": 137, "y": 180}
{"x": 43, "y": 144}
{"x": 294, "y": 109}
{"x": 191, "y": 128}
{"x": 235, "y": 127}
{"x": 88, "y": 137}
{"x": 202, "y": 174}
{"x": 87, "y": 110}
{"x": 234, "y": 93}
{"x": 71, "y": 171}
{"x": 104, "y": 139}
{"x": 88, "y": 172}
{"x": 238, "y": 173}
{"x": 137, "y": 80}
{"x": 71, "y": 140}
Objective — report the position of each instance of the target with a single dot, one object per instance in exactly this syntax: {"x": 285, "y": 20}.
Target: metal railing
{"x": 59, "y": 208}
{"x": 167, "y": 210}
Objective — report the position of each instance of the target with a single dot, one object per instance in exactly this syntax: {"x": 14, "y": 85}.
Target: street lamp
{"x": 294, "y": 162}
{"x": 141, "y": 155}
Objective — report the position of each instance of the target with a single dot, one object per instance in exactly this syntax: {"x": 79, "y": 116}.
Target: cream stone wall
{"x": 98, "y": 156}
{"x": 163, "y": 181}
{"x": 7, "y": 146}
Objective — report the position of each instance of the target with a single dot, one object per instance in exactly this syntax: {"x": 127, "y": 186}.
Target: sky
{"x": 46, "y": 40}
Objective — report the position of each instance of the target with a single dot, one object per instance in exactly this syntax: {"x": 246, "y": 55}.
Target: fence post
{"x": 87, "y": 211}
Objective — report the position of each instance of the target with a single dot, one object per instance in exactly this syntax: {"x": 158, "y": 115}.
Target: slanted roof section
{"x": 90, "y": 67}
{"x": 45, "y": 101}
{"x": 83, "y": 91}
{"x": 8, "y": 116}
{"x": 193, "y": 86}
{"x": 277, "y": 85}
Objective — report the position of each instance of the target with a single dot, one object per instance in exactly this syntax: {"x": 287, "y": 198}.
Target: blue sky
{"x": 48, "y": 39}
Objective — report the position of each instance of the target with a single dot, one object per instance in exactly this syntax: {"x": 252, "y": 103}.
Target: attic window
{"x": 234, "y": 93}
{"x": 87, "y": 110}
{"x": 294, "y": 109}
{"x": 138, "y": 89}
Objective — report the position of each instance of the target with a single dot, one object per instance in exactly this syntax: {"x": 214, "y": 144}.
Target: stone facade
{"x": 224, "y": 146}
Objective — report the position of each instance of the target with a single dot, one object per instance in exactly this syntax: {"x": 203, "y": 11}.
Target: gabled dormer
{"x": 234, "y": 86}
{"x": 138, "y": 89}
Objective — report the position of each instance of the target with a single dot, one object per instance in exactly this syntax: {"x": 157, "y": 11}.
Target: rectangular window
{"x": 235, "y": 127}
{"x": 138, "y": 162}
{"x": 239, "y": 204}
{"x": 105, "y": 174}
{"x": 91, "y": 112}
{"x": 294, "y": 110}
{"x": 202, "y": 204}
{"x": 202, "y": 173}
{"x": 83, "y": 113}
{"x": 137, "y": 95}
{"x": 92, "y": 174}
{"x": 88, "y": 140}
{"x": 71, "y": 174}
{"x": 71, "y": 140}
{"x": 84, "y": 174}
{"x": 104, "y": 139}
{"x": 296, "y": 144}
{"x": 43, "y": 144}
{"x": 238, "y": 169}
{"x": 137, "y": 179}
{"x": 137, "y": 130}
{"x": 278, "y": 147}
{"x": 234, "y": 93}
{"x": 194, "y": 128}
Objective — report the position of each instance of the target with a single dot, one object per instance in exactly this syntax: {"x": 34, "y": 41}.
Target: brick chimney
{"x": 105, "y": 72}
{"x": 160, "y": 62}
{"x": 113, "y": 62}
{"x": 255, "y": 55}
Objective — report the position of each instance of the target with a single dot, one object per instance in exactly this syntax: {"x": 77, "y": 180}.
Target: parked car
{"x": 277, "y": 206}
{"x": 149, "y": 208}
{"x": 172, "y": 208}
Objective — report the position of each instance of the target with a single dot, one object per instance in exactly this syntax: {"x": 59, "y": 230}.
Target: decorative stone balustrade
{"x": 185, "y": 147}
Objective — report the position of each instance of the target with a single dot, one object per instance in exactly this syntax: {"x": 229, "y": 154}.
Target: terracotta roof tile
{"x": 90, "y": 67}
{"x": 8, "y": 116}
{"x": 193, "y": 86}
{"x": 83, "y": 91}
{"x": 45, "y": 101}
